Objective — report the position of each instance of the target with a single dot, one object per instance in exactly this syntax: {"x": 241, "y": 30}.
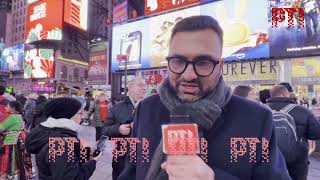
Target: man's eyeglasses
{"x": 202, "y": 65}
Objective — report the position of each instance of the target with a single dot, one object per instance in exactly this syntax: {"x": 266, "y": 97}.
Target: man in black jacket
{"x": 308, "y": 127}
{"x": 120, "y": 119}
{"x": 195, "y": 87}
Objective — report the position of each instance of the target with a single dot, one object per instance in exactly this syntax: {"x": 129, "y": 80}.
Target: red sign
{"x": 121, "y": 57}
{"x": 157, "y": 6}
{"x": 180, "y": 139}
{"x": 76, "y": 13}
{"x": 279, "y": 15}
{"x": 44, "y": 21}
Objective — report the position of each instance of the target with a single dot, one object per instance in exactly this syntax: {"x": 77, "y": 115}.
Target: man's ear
{"x": 221, "y": 64}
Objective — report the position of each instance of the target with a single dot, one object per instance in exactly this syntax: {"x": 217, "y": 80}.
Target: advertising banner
{"x": 306, "y": 67}
{"x": 293, "y": 41}
{"x": 120, "y": 12}
{"x": 98, "y": 65}
{"x": 44, "y": 21}
{"x": 76, "y": 13}
{"x": 253, "y": 70}
{"x": 146, "y": 42}
{"x": 12, "y": 58}
{"x": 158, "y": 6}
{"x": 39, "y": 63}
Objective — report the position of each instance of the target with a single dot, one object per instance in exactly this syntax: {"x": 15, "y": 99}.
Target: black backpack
{"x": 286, "y": 132}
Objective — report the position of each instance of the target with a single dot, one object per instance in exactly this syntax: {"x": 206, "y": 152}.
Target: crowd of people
{"x": 195, "y": 87}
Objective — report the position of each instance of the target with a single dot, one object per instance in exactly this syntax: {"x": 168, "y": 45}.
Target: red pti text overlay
{"x": 279, "y": 15}
{"x": 239, "y": 147}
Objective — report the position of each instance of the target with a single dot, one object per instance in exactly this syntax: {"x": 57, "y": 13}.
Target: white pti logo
{"x": 39, "y": 12}
{"x": 180, "y": 134}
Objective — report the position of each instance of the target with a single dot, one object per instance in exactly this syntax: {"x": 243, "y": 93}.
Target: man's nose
{"x": 189, "y": 74}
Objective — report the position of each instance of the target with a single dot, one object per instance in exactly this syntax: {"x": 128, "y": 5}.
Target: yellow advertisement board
{"x": 306, "y": 67}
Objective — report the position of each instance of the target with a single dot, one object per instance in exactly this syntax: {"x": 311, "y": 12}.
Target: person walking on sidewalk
{"x": 63, "y": 118}
{"x": 99, "y": 109}
{"x": 307, "y": 128}
{"x": 29, "y": 110}
{"x": 120, "y": 119}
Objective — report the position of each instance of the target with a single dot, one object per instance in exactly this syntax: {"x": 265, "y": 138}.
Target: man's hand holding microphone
{"x": 184, "y": 163}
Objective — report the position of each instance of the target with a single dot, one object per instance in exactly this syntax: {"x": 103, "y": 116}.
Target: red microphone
{"x": 180, "y": 139}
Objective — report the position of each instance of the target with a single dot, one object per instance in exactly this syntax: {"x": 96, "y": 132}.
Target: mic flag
{"x": 182, "y": 139}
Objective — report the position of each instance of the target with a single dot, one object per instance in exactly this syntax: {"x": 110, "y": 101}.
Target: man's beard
{"x": 194, "y": 97}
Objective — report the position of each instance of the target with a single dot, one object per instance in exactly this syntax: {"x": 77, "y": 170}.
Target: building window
{"x": 85, "y": 74}
{"x": 76, "y": 74}
{"x": 64, "y": 72}
{"x": 63, "y": 51}
{"x": 22, "y": 36}
{"x": 69, "y": 51}
{"x": 70, "y": 77}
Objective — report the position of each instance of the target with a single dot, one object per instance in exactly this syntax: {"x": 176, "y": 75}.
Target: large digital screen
{"x": 146, "y": 42}
{"x": 12, "y": 58}
{"x": 290, "y": 42}
{"x": 39, "y": 63}
{"x": 76, "y": 13}
{"x": 44, "y": 21}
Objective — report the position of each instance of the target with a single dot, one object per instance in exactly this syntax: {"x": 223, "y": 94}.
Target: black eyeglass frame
{"x": 193, "y": 62}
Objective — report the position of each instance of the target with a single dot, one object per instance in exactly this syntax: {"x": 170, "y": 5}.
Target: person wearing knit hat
{"x": 63, "y": 118}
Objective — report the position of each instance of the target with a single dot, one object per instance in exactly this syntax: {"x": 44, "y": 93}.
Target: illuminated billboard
{"x": 12, "y": 58}
{"x": 44, "y": 21}
{"x": 120, "y": 12}
{"x": 39, "y": 63}
{"x": 286, "y": 41}
{"x": 146, "y": 42}
{"x": 76, "y": 13}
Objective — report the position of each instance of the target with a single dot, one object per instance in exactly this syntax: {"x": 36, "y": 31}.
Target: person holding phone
{"x": 63, "y": 116}
{"x": 120, "y": 118}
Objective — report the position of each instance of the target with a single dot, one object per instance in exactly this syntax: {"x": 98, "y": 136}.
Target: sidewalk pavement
{"x": 103, "y": 167}
{"x": 314, "y": 168}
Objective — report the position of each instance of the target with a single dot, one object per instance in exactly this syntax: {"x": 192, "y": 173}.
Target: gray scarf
{"x": 203, "y": 112}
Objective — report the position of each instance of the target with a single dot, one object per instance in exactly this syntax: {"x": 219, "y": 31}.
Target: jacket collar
{"x": 61, "y": 123}
{"x": 280, "y": 100}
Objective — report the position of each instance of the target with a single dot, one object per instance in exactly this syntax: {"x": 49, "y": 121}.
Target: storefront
{"x": 306, "y": 77}
{"x": 259, "y": 73}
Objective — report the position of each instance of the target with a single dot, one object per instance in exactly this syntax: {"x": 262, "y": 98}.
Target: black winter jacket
{"x": 308, "y": 126}
{"x": 62, "y": 167}
{"x": 120, "y": 113}
{"x": 38, "y": 113}
{"x": 240, "y": 118}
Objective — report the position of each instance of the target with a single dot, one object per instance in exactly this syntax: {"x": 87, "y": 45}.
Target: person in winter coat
{"x": 21, "y": 99}
{"x": 29, "y": 109}
{"x": 13, "y": 126}
{"x": 99, "y": 109}
{"x": 63, "y": 118}
{"x": 195, "y": 92}
{"x": 38, "y": 116}
{"x": 308, "y": 128}
{"x": 3, "y": 104}
{"x": 120, "y": 118}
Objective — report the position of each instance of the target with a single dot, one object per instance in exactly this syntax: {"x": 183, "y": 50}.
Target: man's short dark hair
{"x": 288, "y": 86}
{"x": 264, "y": 95}
{"x": 242, "y": 91}
{"x": 197, "y": 23}
{"x": 2, "y": 90}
